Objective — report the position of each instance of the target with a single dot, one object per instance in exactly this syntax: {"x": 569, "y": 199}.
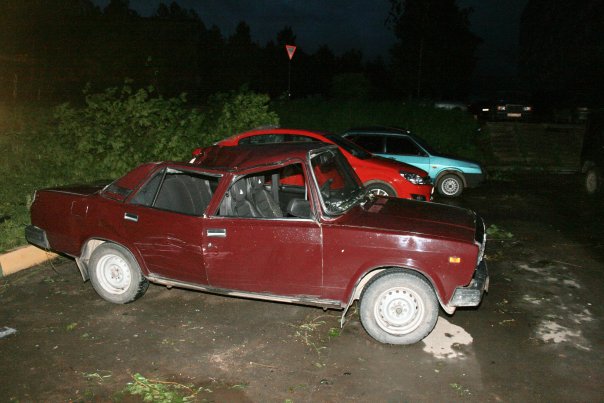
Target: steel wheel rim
{"x": 114, "y": 274}
{"x": 379, "y": 192}
{"x": 450, "y": 186}
{"x": 399, "y": 310}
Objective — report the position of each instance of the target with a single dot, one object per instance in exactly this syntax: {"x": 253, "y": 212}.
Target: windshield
{"x": 338, "y": 185}
{"x": 349, "y": 146}
{"x": 424, "y": 144}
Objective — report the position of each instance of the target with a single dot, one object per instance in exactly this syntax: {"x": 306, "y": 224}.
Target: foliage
{"x": 435, "y": 52}
{"x": 234, "y": 112}
{"x": 450, "y": 132}
{"x": 350, "y": 86}
{"x": 122, "y": 127}
{"x": 159, "y": 391}
{"x": 497, "y": 233}
{"x": 561, "y": 62}
{"x": 115, "y": 130}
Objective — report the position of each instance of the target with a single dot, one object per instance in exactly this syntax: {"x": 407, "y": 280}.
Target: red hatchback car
{"x": 379, "y": 175}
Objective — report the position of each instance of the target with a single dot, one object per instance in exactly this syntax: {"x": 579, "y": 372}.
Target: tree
{"x": 435, "y": 52}
{"x": 561, "y": 50}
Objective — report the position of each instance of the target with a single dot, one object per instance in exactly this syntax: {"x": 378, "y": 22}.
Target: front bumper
{"x": 36, "y": 236}
{"x": 471, "y": 295}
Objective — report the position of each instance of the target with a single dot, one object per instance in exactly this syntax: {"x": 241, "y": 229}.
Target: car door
{"x": 278, "y": 256}
{"x": 166, "y": 223}
{"x": 404, "y": 149}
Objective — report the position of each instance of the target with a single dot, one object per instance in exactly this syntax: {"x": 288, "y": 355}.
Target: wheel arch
{"x": 363, "y": 281}
{"x": 91, "y": 245}
{"x": 451, "y": 171}
{"x": 382, "y": 183}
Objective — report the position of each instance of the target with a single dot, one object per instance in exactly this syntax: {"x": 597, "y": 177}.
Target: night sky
{"x": 347, "y": 24}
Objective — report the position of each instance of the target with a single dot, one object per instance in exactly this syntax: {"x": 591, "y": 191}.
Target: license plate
{"x": 514, "y": 115}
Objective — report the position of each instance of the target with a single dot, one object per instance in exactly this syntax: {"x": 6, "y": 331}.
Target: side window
{"x": 178, "y": 191}
{"x": 402, "y": 146}
{"x": 278, "y": 193}
{"x": 262, "y": 139}
{"x": 373, "y": 144}
{"x": 276, "y": 138}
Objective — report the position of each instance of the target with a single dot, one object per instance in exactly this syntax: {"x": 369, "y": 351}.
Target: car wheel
{"x": 115, "y": 274}
{"x": 398, "y": 308}
{"x": 593, "y": 180}
{"x": 450, "y": 185}
{"x": 380, "y": 189}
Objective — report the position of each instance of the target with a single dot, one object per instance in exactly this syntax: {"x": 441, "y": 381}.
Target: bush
{"x": 450, "y": 132}
{"x": 121, "y": 128}
{"x": 234, "y": 112}
{"x": 114, "y": 131}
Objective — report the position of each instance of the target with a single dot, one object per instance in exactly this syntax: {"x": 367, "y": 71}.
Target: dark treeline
{"x": 561, "y": 51}
{"x": 50, "y": 49}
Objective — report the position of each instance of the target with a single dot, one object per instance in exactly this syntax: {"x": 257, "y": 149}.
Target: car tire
{"x": 115, "y": 275}
{"x": 450, "y": 185}
{"x": 380, "y": 189}
{"x": 398, "y": 307}
{"x": 593, "y": 180}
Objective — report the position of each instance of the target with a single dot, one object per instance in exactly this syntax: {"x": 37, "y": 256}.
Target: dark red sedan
{"x": 289, "y": 223}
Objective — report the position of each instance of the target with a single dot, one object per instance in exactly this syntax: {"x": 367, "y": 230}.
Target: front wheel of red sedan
{"x": 115, "y": 274}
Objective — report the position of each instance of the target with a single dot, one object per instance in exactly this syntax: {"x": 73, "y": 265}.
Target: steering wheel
{"x": 325, "y": 188}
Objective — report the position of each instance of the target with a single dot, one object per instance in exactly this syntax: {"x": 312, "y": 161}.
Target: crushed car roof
{"x": 235, "y": 158}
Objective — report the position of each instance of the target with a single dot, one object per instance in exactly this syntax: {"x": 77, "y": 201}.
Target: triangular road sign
{"x": 291, "y": 49}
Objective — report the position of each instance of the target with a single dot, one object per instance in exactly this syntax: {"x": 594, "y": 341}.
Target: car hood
{"x": 453, "y": 160}
{"x": 413, "y": 217}
{"x": 397, "y": 165}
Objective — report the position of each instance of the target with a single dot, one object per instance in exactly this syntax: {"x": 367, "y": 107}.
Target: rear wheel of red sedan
{"x": 398, "y": 308}
{"x": 115, "y": 274}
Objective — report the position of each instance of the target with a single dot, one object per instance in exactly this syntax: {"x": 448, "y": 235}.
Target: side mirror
{"x": 299, "y": 208}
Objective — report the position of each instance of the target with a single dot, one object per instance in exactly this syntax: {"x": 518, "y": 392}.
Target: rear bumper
{"x": 36, "y": 236}
{"x": 471, "y": 295}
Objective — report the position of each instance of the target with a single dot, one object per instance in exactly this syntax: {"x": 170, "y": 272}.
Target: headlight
{"x": 415, "y": 178}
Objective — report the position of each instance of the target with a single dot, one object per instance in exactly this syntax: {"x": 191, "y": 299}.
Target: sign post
{"x": 290, "y": 49}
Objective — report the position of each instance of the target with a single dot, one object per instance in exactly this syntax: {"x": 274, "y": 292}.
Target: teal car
{"x": 451, "y": 175}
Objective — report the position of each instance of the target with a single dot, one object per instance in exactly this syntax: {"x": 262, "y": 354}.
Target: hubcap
{"x": 114, "y": 274}
{"x": 399, "y": 310}
{"x": 450, "y": 186}
{"x": 379, "y": 192}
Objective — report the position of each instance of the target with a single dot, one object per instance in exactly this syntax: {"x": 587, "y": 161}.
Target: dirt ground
{"x": 536, "y": 337}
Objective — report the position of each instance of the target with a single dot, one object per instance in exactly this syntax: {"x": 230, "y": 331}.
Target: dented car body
{"x": 287, "y": 222}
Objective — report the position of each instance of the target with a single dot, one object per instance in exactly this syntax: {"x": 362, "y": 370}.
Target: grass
{"x": 161, "y": 391}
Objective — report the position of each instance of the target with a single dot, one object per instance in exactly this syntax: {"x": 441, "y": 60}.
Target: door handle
{"x": 216, "y": 232}
{"x": 130, "y": 217}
